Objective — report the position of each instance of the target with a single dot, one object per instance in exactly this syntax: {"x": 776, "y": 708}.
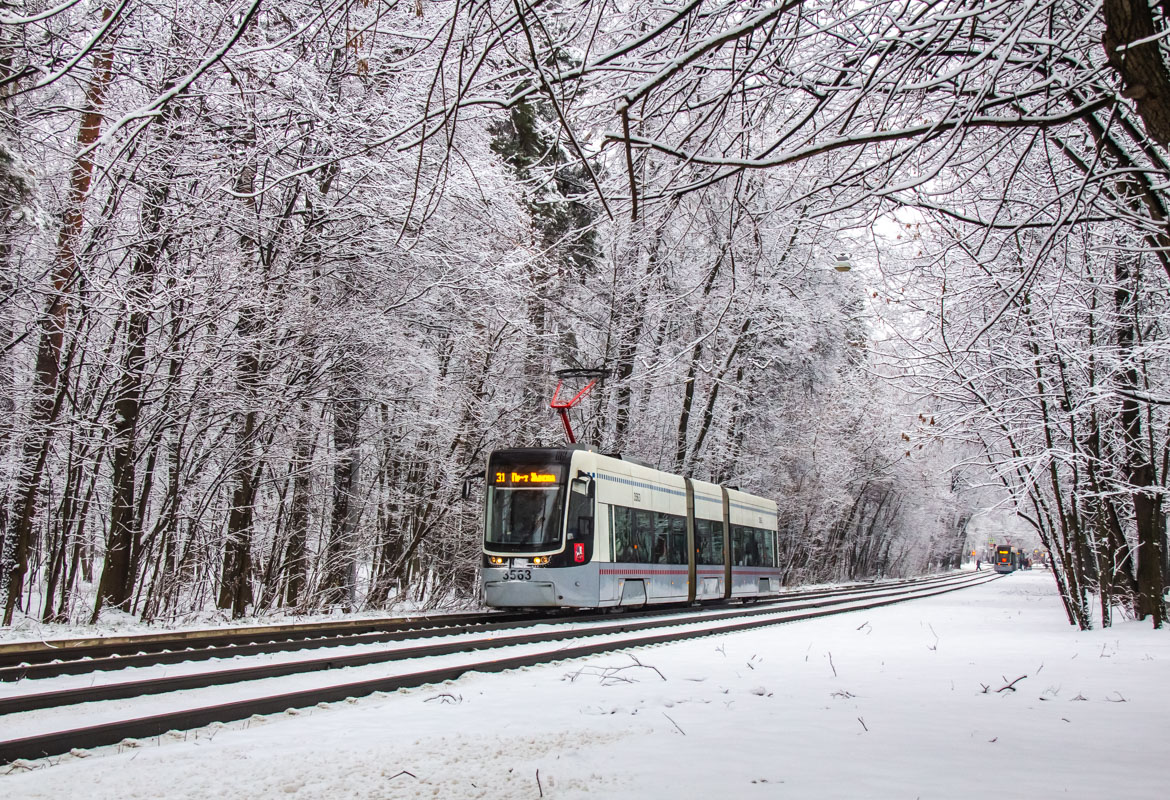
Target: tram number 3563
{"x": 518, "y": 575}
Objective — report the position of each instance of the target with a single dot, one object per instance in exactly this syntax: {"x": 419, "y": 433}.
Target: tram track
{"x": 199, "y": 680}
{"x": 519, "y": 650}
{"x": 23, "y": 659}
{"x": 41, "y": 660}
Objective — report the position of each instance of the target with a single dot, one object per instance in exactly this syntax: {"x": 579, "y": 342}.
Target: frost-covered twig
{"x": 607, "y": 674}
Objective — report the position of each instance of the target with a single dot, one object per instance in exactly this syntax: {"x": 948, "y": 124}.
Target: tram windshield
{"x": 525, "y": 507}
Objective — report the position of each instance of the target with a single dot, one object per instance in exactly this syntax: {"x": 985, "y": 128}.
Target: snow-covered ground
{"x": 901, "y": 702}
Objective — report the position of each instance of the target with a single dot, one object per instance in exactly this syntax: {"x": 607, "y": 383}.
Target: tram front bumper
{"x": 524, "y": 594}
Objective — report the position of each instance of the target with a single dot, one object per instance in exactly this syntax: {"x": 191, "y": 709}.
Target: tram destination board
{"x": 526, "y": 475}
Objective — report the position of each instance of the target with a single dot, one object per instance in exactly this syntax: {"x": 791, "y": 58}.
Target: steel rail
{"x": 61, "y": 742}
{"x": 123, "y": 656}
{"x": 19, "y": 653}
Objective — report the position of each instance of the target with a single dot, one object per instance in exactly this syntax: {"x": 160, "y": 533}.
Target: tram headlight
{"x": 538, "y": 560}
{"x": 496, "y": 561}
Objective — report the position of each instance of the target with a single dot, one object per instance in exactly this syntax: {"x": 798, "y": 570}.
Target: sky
{"x": 901, "y": 702}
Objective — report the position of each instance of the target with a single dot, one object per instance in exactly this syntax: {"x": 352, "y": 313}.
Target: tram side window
{"x": 661, "y": 551}
{"x": 709, "y": 541}
{"x": 643, "y": 536}
{"x": 678, "y": 539}
{"x": 648, "y": 537}
{"x": 769, "y": 548}
{"x": 702, "y": 540}
{"x": 753, "y": 547}
{"x": 738, "y": 534}
{"x": 580, "y": 518}
{"x": 623, "y": 545}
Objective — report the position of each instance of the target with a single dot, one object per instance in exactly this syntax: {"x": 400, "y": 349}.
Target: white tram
{"x": 570, "y": 527}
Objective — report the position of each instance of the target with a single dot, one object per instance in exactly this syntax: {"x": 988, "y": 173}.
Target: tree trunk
{"x": 235, "y": 587}
{"x": 1139, "y": 466}
{"x": 630, "y": 319}
{"x": 46, "y": 399}
{"x": 338, "y": 585}
{"x": 1141, "y": 66}
{"x": 116, "y": 585}
{"x": 296, "y": 562}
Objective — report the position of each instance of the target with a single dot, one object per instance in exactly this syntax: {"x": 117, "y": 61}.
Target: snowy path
{"x": 882, "y": 703}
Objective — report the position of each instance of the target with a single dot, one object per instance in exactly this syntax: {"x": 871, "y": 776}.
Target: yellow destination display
{"x": 514, "y": 478}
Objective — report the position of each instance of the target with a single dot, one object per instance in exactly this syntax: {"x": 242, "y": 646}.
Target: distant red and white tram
{"x": 570, "y": 527}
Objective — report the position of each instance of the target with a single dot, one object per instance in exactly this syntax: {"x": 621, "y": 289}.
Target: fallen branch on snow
{"x": 1011, "y": 685}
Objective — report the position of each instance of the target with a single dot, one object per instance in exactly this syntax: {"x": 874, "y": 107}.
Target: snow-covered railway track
{"x": 21, "y": 660}
{"x": 41, "y": 660}
{"x": 200, "y": 699}
{"x": 455, "y": 640}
